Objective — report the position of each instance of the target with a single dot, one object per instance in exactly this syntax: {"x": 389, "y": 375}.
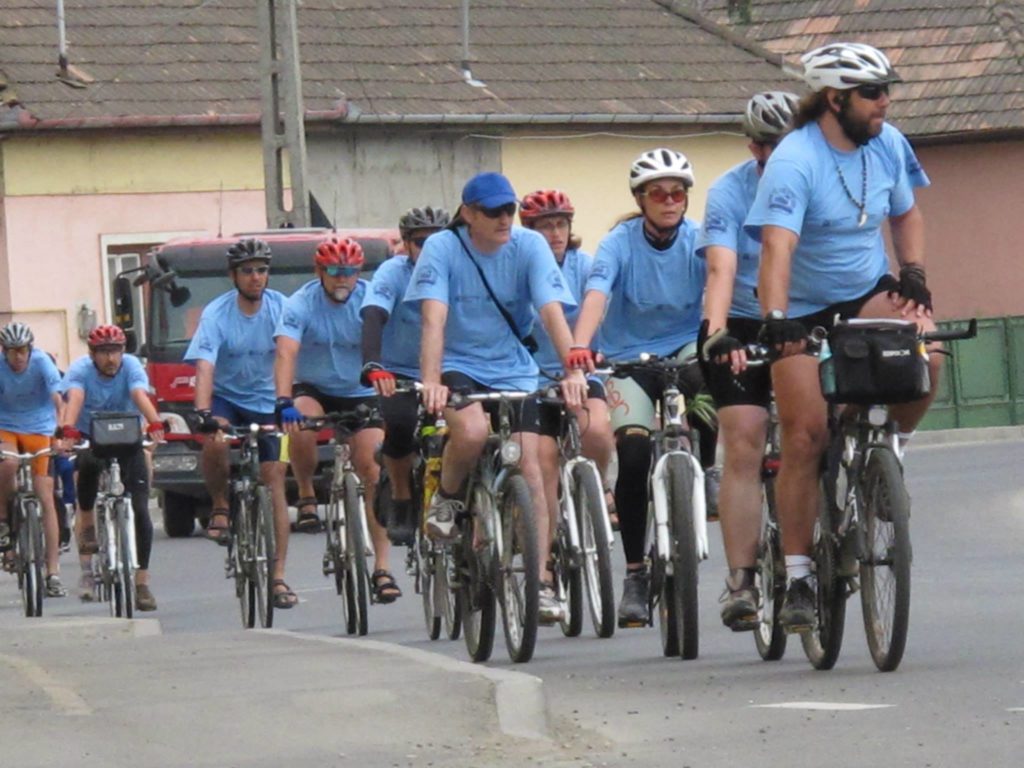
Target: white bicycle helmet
{"x": 847, "y": 65}
{"x": 660, "y": 163}
{"x": 16, "y": 335}
{"x": 769, "y": 115}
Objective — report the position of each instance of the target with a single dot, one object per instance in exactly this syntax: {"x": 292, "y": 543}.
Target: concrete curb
{"x": 966, "y": 435}
{"x": 519, "y": 698}
{"x": 91, "y": 628}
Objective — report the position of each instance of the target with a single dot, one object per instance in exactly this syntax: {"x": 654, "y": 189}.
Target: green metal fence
{"x": 983, "y": 384}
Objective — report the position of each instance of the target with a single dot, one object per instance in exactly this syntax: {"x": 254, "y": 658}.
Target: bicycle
{"x": 251, "y": 546}
{"x": 676, "y": 538}
{"x": 345, "y": 522}
{"x": 24, "y": 514}
{"x": 582, "y": 550}
{"x": 496, "y": 554}
{"x": 862, "y": 535}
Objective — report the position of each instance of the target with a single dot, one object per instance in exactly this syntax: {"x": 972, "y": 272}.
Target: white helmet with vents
{"x": 769, "y": 115}
{"x": 660, "y": 163}
{"x": 847, "y": 65}
{"x": 16, "y": 335}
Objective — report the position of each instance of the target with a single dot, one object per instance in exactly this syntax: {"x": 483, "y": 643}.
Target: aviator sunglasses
{"x": 872, "y": 91}
{"x": 659, "y": 195}
{"x": 337, "y": 270}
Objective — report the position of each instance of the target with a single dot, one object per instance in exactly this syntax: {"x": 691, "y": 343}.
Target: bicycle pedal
{"x": 632, "y": 624}
{"x": 328, "y": 566}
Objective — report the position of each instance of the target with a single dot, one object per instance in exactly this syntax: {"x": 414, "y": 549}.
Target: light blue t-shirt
{"x": 801, "y": 190}
{"x": 729, "y": 200}
{"x": 478, "y": 342}
{"x": 241, "y": 348}
{"x": 104, "y": 393}
{"x": 26, "y": 398}
{"x": 400, "y": 341}
{"x": 575, "y": 269}
{"x": 330, "y": 333}
{"x": 654, "y": 302}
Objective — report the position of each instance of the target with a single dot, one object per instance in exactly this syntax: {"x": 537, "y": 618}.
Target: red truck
{"x": 179, "y": 278}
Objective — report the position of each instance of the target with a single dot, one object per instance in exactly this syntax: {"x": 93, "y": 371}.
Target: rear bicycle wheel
{"x": 596, "y": 549}
{"x": 885, "y": 563}
{"x": 518, "y": 569}
{"x": 264, "y": 555}
{"x": 126, "y": 564}
{"x": 446, "y": 594}
{"x": 357, "y": 580}
{"x": 31, "y": 557}
{"x": 823, "y": 643}
{"x": 478, "y": 604}
{"x": 680, "y": 475}
{"x": 770, "y": 580}
{"x": 425, "y": 585}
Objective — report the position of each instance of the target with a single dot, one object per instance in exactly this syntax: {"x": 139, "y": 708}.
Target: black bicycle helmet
{"x": 248, "y": 249}
{"x": 423, "y": 218}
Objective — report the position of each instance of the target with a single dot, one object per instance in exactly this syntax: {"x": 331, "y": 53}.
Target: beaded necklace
{"x": 862, "y": 204}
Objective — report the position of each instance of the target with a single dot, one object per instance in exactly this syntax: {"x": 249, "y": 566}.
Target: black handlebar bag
{"x": 114, "y": 435}
{"x": 879, "y": 362}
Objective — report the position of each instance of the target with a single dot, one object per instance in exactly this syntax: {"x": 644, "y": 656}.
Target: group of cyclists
{"x": 791, "y": 240}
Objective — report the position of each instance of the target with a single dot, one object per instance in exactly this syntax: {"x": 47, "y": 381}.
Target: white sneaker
{"x": 549, "y": 608}
{"x": 441, "y": 517}
{"x": 86, "y": 587}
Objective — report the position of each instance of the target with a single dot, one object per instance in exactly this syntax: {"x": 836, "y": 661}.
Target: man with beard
{"x": 391, "y": 348}
{"x": 316, "y": 370}
{"x": 825, "y": 193}
{"x": 233, "y": 351}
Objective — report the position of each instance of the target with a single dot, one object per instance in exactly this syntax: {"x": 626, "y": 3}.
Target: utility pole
{"x": 283, "y": 123}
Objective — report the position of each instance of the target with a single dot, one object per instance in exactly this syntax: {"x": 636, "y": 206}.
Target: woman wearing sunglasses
{"x": 828, "y": 188}
{"x": 646, "y": 284}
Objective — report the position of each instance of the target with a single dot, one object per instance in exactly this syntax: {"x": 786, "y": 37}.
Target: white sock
{"x": 797, "y": 567}
{"x": 904, "y": 437}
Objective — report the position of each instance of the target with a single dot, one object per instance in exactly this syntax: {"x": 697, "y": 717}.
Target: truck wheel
{"x": 179, "y": 515}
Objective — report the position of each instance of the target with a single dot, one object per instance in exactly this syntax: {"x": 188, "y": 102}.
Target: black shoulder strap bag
{"x": 527, "y": 341}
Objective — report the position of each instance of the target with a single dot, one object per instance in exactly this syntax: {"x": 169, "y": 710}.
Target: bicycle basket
{"x": 114, "y": 435}
{"x": 875, "y": 363}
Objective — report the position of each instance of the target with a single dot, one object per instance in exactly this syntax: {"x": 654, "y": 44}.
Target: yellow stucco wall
{"x": 57, "y": 164}
{"x": 594, "y": 171}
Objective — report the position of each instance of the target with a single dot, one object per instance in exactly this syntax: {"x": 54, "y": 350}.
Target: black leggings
{"x": 135, "y": 475}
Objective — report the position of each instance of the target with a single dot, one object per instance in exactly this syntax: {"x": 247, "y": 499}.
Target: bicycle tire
{"x": 885, "y": 563}
{"x": 663, "y": 592}
{"x": 245, "y": 590}
{"x": 596, "y": 548}
{"x": 478, "y": 603}
{"x": 31, "y": 558}
{"x": 357, "y": 580}
{"x": 823, "y": 644}
{"x": 126, "y": 566}
{"x": 518, "y": 570}
{"x": 770, "y": 580}
{"x": 451, "y": 610}
{"x": 425, "y": 585}
{"x": 119, "y": 592}
{"x": 680, "y": 474}
{"x": 332, "y": 561}
{"x": 568, "y": 583}
{"x": 103, "y": 556}
{"x": 264, "y": 555}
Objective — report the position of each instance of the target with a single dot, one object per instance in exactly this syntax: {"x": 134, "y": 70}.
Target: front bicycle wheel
{"x": 518, "y": 569}
{"x": 770, "y": 580}
{"x": 425, "y": 585}
{"x": 447, "y": 594}
{"x": 680, "y": 475}
{"x": 477, "y": 601}
{"x": 885, "y": 563}
{"x": 591, "y": 514}
{"x": 238, "y": 551}
{"x": 264, "y": 555}
{"x": 357, "y": 580}
{"x": 31, "y": 557}
{"x": 568, "y": 582}
{"x": 823, "y": 643}
{"x": 126, "y": 564}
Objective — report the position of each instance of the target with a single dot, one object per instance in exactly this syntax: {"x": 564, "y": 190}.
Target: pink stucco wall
{"x": 974, "y": 214}
{"x": 54, "y": 253}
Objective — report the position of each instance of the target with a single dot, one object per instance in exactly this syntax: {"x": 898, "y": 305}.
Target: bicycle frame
{"x": 343, "y": 467}
{"x": 111, "y": 490}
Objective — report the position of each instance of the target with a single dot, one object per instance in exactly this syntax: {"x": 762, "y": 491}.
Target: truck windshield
{"x": 171, "y": 328}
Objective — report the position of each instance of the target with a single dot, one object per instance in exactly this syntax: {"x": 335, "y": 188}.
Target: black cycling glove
{"x": 913, "y": 287}
{"x": 204, "y": 421}
{"x": 777, "y": 331}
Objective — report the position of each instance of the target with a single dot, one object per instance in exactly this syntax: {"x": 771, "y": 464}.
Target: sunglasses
{"x": 659, "y": 195}
{"x": 418, "y": 241}
{"x": 248, "y": 270}
{"x": 872, "y": 92}
{"x": 337, "y": 270}
{"x": 509, "y": 209}
{"x": 771, "y": 144}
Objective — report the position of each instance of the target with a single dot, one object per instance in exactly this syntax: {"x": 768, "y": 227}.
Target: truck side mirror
{"x": 131, "y": 342}
{"x": 124, "y": 303}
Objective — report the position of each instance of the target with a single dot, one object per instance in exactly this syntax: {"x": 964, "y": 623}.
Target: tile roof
{"x": 160, "y": 60}
{"x": 963, "y": 62}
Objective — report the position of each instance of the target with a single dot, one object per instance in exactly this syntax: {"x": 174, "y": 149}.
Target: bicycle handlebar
{"x": 26, "y": 457}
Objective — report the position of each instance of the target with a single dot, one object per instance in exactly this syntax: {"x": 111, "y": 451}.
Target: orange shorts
{"x": 29, "y": 444}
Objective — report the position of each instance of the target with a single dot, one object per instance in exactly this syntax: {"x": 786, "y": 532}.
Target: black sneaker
{"x": 402, "y": 523}
{"x": 739, "y": 612}
{"x": 633, "y": 611}
{"x": 798, "y": 609}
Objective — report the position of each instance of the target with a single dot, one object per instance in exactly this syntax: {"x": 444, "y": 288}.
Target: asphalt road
{"x": 957, "y": 699}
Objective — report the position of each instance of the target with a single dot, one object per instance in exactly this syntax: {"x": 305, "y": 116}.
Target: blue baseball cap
{"x": 488, "y": 190}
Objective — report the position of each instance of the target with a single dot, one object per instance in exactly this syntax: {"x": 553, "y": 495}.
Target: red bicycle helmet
{"x": 340, "y": 251}
{"x": 106, "y": 336}
{"x": 545, "y": 202}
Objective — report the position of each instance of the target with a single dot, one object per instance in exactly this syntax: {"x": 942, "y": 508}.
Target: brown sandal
{"x": 285, "y": 598}
{"x": 218, "y": 533}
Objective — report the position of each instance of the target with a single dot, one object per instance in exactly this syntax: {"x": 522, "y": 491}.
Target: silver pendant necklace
{"x": 862, "y": 204}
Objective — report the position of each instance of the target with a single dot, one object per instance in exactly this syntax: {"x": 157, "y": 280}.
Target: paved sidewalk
{"x": 967, "y": 435}
{"x": 107, "y": 692}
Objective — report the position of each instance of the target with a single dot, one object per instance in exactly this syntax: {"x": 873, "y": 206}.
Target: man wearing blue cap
{"x": 478, "y": 283}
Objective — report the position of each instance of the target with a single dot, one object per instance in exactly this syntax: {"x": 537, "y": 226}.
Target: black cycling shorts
{"x": 525, "y": 416}
{"x": 550, "y": 415}
{"x": 334, "y": 404}
{"x": 826, "y": 318}
{"x": 751, "y": 387}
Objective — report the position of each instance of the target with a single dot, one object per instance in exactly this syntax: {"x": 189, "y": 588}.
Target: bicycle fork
{"x": 698, "y": 507}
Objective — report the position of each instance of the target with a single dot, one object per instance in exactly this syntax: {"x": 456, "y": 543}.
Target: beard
{"x": 859, "y": 133}
{"x": 339, "y": 295}
{"x": 252, "y": 295}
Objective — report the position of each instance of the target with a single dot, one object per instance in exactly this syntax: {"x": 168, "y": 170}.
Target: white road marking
{"x": 64, "y": 697}
{"x": 826, "y": 706}
{"x": 1015, "y": 709}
